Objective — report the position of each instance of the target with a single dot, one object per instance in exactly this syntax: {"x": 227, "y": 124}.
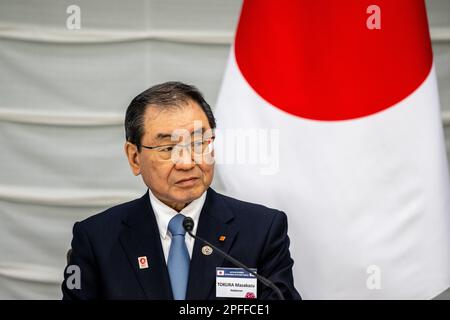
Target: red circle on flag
{"x": 319, "y": 60}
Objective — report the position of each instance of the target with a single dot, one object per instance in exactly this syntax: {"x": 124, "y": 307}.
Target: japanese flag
{"x": 329, "y": 111}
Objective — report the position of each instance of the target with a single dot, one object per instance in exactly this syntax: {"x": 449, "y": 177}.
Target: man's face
{"x": 175, "y": 181}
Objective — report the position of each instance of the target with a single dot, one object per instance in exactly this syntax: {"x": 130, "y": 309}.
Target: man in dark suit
{"x": 139, "y": 249}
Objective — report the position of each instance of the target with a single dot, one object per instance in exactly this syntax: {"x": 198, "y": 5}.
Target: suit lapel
{"x": 214, "y": 222}
{"x": 141, "y": 238}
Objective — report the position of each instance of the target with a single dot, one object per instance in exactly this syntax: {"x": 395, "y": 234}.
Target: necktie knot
{"x": 176, "y": 225}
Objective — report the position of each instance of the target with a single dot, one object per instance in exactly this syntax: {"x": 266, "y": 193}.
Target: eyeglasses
{"x": 173, "y": 151}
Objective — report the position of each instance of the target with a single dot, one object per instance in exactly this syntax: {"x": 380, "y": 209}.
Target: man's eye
{"x": 198, "y": 143}
{"x": 166, "y": 149}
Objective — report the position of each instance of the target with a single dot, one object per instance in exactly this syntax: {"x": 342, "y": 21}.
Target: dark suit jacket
{"x": 106, "y": 247}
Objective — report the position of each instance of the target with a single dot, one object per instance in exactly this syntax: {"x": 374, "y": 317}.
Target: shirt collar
{"x": 164, "y": 213}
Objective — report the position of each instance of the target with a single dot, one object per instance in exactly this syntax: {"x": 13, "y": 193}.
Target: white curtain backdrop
{"x": 63, "y": 94}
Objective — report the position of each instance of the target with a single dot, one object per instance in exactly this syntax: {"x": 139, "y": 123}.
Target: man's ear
{"x": 132, "y": 154}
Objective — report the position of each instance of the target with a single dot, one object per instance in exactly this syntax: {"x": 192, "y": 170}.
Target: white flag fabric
{"x": 330, "y": 112}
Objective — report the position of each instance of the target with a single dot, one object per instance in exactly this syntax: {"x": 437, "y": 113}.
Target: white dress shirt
{"x": 164, "y": 214}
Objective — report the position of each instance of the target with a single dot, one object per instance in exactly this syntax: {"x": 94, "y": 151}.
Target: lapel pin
{"x": 143, "y": 263}
{"x": 207, "y": 250}
{"x": 222, "y": 238}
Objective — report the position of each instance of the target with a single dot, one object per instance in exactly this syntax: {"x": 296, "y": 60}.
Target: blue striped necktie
{"x": 178, "y": 261}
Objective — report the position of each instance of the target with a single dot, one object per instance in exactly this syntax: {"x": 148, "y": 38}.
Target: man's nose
{"x": 184, "y": 161}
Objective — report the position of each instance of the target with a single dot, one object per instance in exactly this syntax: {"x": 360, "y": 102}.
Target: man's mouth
{"x": 187, "y": 182}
